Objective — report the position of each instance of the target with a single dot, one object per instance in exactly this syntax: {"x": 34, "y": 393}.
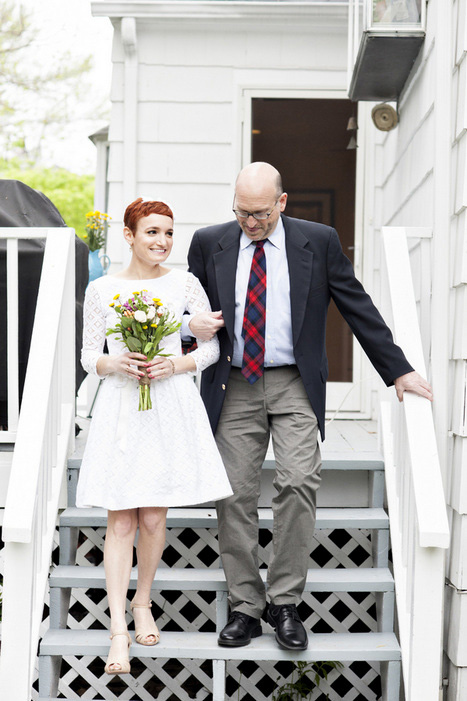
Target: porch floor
{"x": 345, "y": 439}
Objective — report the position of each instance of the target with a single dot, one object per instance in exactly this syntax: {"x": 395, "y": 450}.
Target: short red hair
{"x": 139, "y": 209}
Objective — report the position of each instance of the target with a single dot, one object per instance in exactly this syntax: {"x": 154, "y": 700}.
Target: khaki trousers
{"x": 276, "y": 404}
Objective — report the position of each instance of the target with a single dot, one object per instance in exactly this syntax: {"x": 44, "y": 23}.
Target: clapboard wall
{"x": 187, "y": 120}
{"x": 420, "y": 180}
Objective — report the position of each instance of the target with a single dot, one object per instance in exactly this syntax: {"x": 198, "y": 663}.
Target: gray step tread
{"x": 207, "y": 518}
{"x": 323, "y": 580}
{"x": 332, "y": 460}
{"x": 343, "y": 647}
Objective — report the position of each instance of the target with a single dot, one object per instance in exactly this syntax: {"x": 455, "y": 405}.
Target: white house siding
{"x": 457, "y": 574}
{"x": 190, "y": 77}
{"x": 408, "y": 193}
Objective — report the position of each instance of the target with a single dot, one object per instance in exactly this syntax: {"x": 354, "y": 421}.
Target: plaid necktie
{"x": 254, "y": 318}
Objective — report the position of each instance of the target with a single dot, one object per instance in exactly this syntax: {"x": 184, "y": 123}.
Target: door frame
{"x": 350, "y": 399}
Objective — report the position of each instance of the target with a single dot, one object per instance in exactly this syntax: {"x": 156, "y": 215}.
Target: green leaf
{"x": 134, "y": 344}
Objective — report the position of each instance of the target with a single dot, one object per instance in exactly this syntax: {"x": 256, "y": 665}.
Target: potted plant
{"x": 95, "y": 237}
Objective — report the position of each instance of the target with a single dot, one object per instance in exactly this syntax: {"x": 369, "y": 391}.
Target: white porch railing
{"x": 43, "y": 440}
{"x": 417, "y": 506}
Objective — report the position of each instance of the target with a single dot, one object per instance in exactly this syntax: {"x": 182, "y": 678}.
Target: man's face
{"x": 263, "y": 202}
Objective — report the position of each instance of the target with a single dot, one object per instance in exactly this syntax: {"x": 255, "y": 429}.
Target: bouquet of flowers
{"x": 143, "y": 323}
{"x": 97, "y": 224}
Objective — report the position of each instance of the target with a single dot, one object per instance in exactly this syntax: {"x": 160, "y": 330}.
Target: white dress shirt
{"x": 278, "y": 332}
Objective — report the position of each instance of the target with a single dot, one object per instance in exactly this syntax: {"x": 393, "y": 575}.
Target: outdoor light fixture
{"x": 384, "y": 117}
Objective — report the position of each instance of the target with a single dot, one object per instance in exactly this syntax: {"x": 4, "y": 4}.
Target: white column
{"x": 130, "y": 109}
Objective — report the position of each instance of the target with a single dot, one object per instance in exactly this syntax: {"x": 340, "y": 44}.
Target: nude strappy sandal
{"x": 123, "y": 664}
{"x": 140, "y": 635}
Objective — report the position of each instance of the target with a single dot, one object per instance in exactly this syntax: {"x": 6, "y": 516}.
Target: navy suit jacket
{"x": 318, "y": 271}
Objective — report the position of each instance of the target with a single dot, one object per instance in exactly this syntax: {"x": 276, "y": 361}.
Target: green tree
{"x": 35, "y": 98}
{"x": 72, "y": 194}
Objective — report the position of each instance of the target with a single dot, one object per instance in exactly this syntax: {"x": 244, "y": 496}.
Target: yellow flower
{"x": 135, "y": 293}
{"x": 85, "y": 236}
{"x": 145, "y": 327}
{"x": 159, "y": 304}
{"x": 155, "y": 299}
{"x": 119, "y": 306}
{"x": 112, "y": 304}
{"x": 116, "y": 296}
{"x": 154, "y": 326}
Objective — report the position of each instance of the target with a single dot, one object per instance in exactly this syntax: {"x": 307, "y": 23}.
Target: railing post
{"x": 427, "y": 608}
{"x": 18, "y": 603}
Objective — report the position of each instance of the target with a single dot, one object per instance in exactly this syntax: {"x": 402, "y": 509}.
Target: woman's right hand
{"x": 128, "y": 363}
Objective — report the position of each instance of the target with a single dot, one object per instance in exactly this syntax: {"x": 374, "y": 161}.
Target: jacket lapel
{"x": 225, "y": 265}
{"x": 300, "y": 261}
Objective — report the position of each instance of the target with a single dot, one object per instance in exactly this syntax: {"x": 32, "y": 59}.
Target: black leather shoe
{"x": 239, "y": 630}
{"x": 290, "y": 632}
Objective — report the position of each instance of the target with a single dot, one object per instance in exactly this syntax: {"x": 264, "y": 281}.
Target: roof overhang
{"x": 330, "y": 15}
{"x": 383, "y": 64}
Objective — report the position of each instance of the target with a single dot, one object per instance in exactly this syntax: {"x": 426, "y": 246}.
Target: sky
{"x": 67, "y": 25}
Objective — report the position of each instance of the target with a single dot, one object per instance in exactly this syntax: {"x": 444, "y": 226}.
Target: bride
{"x": 138, "y": 463}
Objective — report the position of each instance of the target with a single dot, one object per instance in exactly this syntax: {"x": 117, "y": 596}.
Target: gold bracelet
{"x": 173, "y": 365}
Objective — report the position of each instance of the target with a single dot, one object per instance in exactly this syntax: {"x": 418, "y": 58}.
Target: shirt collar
{"x": 277, "y": 238}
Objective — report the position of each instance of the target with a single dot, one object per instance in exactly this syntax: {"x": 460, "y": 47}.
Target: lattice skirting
{"x": 173, "y": 680}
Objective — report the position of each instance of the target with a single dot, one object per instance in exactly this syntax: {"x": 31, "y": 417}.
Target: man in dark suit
{"x": 271, "y": 277}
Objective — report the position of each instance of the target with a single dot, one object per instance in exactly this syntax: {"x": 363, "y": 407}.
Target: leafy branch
{"x": 305, "y": 677}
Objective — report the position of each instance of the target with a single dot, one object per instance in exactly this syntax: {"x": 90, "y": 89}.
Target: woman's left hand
{"x": 160, "y": 368}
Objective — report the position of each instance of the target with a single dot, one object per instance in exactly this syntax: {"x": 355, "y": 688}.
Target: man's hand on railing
{"x": 413, "y": 382}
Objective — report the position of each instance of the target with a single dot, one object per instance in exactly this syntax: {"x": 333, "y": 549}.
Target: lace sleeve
{"x": 197, "y": 301}
{"x": 93, "y": 330}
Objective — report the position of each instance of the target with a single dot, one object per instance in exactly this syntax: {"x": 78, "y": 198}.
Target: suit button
{"x": 229, "y": 358}
{"x": 223, "y": 386}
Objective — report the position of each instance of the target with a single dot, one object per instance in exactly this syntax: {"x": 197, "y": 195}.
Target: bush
{"x": 72, "y": 194}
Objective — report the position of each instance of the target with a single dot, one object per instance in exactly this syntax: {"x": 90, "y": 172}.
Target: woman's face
{"x": 152, "y": 241}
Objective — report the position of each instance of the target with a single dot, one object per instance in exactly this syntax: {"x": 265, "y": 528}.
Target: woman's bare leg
{"x": 118, "y": 558}
{"x": 151, "y": 541}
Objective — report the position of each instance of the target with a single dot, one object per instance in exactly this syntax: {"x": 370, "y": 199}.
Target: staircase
{"x": 342, "y": 464}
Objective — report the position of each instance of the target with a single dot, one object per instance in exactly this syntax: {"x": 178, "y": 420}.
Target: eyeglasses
{"x": 259, "y": 216}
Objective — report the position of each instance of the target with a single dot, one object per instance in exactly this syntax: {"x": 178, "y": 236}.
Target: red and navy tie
{"x": 254, "y": 318}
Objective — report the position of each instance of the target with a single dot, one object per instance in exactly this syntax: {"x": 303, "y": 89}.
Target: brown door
{"x": 307, "y": 141}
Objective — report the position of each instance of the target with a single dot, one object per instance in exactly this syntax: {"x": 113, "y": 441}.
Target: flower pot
{"x": 97, "y": 264}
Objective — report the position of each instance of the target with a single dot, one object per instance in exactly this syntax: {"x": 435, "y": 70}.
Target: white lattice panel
{"x": 171, "y": 680}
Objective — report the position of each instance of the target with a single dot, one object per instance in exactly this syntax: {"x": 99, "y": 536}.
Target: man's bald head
{"x": 260, "y": 174}
{"x": 258, "y": 190}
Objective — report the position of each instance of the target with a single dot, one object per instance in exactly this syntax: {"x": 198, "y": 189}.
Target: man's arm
{"x": 365, "y": 321}
{"x": 369, "y": 327}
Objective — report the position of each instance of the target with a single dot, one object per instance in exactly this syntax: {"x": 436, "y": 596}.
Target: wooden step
{"x": 332, "y": 460}
{"x": 342, "y": 647}
{"x": 178, "y": 579}
{"x": 373, "y": 518}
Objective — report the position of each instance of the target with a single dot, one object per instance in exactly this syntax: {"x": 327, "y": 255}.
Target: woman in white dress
{"x": 138, "y": 463}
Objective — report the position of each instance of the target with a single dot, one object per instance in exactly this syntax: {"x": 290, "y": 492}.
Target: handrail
{"x": 12, "y": 235}
{"x": 44, "y": 439}
{"x": 416, "y": 502}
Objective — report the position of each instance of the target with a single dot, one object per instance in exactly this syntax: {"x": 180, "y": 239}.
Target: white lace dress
{"x": 165, "y": 456}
